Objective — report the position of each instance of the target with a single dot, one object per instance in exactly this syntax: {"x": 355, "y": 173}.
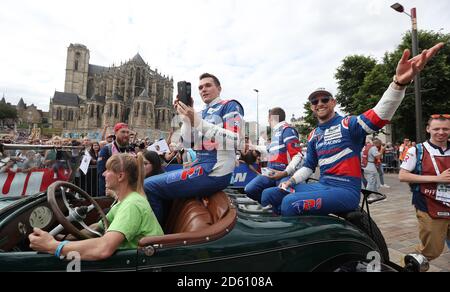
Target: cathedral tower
{"x": 77, "y": 69}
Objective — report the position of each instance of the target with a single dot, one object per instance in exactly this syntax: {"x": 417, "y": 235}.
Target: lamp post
{"x": 417, "y": 83}
{"x": 257, "y": 116}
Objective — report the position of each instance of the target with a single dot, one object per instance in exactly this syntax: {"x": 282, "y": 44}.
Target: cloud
{"x": 285, "y": 48}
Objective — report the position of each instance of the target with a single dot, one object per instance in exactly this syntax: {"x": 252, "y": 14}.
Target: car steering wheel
{"x": 75, "y": 214}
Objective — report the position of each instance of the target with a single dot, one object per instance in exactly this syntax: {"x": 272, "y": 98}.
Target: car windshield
{"x": 29, "y": 169}
{"x": 5, "y": 202}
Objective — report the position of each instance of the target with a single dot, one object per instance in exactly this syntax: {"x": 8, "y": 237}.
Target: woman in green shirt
{"x": 130, "y": 219}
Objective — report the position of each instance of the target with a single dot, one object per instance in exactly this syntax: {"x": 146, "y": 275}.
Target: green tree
{"x": 435, "y": 79}
{"x": 350, "y": 75}
{"x": 7, "y": 111}
{"x": 362, "y": 83}
{"x": 310, "y": 121}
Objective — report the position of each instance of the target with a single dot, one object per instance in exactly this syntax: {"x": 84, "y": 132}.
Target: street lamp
{"x": 257, "y": 116}
{"x": 417, "y": 84}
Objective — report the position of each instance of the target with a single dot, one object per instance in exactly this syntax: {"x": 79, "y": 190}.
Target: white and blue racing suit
{"x": 284, "y": 146}
{"x": 335, "y": 147}
{"x": 216, "y": 140}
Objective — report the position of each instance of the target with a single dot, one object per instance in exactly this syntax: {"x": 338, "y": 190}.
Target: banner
{"x": 15, "y": 184}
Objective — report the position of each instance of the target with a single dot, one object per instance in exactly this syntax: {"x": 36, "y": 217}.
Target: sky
{"x": 283, "y": 48}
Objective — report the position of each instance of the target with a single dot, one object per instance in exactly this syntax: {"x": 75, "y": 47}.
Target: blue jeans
{"x": 311, "y": 199}
{"x": 380, "y": 173}
{"x": 255, "y": 188}
{"x": 372, "y": 180}
{"x": 183, "y": 183}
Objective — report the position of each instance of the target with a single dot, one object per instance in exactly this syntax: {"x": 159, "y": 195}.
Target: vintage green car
{"x": 226, "y": 232}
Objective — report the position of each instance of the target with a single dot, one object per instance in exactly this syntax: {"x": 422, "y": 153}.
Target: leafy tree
{"x": 362, "y": 83}
{"x": 7, "y": 111}
{"x": 310, "y": 121}
{"x": 350, "y": 75}
{"x": 435, "y": 79}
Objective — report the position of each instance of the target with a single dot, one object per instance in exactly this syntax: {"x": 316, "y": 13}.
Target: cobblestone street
{"x": 396, "y": 218}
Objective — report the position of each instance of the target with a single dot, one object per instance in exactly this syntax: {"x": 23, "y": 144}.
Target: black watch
{"x": 394, "y": 79}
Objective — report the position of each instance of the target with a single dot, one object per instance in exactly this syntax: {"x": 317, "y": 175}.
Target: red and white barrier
{"x": 13, "y": 184}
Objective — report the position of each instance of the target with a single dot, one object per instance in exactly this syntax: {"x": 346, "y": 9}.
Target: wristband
{"x": 60, "y": 247}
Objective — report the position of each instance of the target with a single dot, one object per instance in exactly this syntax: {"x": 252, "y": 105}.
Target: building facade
{"x": 95, "y": 96}
{"x": 27, "y": 115}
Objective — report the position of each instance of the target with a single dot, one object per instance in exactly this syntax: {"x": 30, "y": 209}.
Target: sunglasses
{"x": 325, "y": 100}
{"x": 441, "y": 116}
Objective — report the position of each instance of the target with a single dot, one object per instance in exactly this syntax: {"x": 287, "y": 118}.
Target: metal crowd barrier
{"x": 88, "y": 181}
{"x": 390, "y": 164}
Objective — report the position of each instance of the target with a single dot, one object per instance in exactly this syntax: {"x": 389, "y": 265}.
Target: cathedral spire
{"x": 138, "y": 60}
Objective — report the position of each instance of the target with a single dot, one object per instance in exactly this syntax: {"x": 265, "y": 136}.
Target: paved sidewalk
{"x": 397, "y": 221}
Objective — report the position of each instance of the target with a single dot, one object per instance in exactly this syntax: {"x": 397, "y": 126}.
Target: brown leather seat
{"x": 189, "y": 215}
{"x": 196, "y": 220}
{"x": 192, "y": 216}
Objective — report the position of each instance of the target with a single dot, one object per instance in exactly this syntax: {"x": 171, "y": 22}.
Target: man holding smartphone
{"x": 215, "y": 134}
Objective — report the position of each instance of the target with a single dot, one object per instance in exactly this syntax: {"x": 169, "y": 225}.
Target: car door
{"x": 125, "y": 260}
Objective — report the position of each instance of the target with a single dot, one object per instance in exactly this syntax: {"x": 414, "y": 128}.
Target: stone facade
{"x": 95, "y": 96}
{"x": 27, "y": 114}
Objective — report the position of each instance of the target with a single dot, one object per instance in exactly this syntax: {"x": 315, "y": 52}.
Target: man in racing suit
{"x": 284, "y": 146}
{"x": 216, "y": 136}
{"x": 335, "y": 146}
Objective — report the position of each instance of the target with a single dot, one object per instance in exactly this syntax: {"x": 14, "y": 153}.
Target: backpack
{"x": 365, "y": 155}
{"x": 418, "y": 168}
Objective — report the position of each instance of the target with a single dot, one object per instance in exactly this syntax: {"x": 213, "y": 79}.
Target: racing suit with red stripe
{"x": 285, "y": 145}
{"x": 216, "y": 138}
{"x": 335, "y": 147}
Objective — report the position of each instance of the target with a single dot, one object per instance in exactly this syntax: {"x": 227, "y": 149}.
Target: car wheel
{"x": 369, "y": 227}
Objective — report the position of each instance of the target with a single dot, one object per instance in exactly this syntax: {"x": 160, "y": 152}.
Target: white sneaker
{"x": 385, "y": 186}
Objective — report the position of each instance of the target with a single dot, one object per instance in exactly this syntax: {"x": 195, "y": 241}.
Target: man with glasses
{"x": 335, "y": 146}
{"x": 427, "y": 168}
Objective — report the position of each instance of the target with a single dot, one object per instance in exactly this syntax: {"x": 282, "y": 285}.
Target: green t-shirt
{"x": 134, "y": 218}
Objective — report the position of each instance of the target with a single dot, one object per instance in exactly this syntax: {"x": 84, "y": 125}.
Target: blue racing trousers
{"x": 183, "y": 183}
{"x": 311, "y": 199}
{"x": 255, "y": 188}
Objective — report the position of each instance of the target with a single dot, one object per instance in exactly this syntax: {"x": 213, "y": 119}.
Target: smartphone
{"x": 289, "y": 190}
{"x": 266, "y": 171}
{"x": 184, "y": 93}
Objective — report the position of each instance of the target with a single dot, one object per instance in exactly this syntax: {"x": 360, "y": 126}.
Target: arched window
{"x": 144, "y": 109}
{"x": 70, "y": 115}
{"x": 116, "y": 111}
{"x": 58, "y": 114}
{"x": 98, "y": 111}
{"x": 138, "y": 77}
{"x": 77, "y": 58}
{"x": 136, "y": 109}
{"x": 91, "y": 111}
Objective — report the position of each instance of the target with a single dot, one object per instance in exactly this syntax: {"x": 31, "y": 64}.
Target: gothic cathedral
{"x": 95, "y": 96}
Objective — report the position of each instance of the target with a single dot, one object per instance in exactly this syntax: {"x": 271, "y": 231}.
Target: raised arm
{"x": 406, "y": 70}
{"x": 104, "y": 132}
